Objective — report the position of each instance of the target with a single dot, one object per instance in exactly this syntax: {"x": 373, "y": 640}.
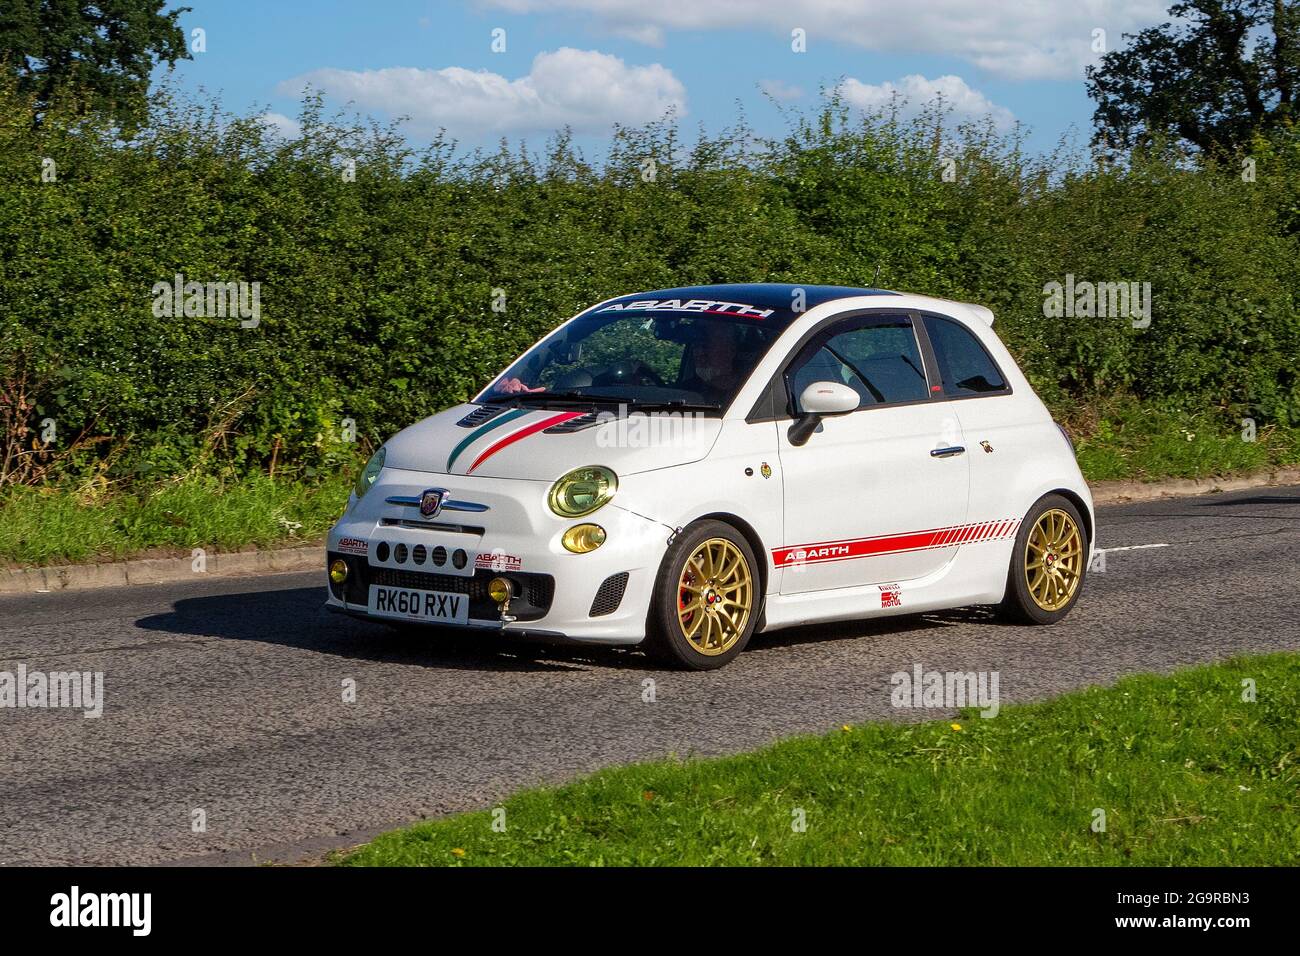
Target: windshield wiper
{"x": 582, "y": 398}
{"x": 677, "y": 403}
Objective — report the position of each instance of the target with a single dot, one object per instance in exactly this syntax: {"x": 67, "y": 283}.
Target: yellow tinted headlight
{"x": 583, "y": 538}
{"x": 582, "y": 491}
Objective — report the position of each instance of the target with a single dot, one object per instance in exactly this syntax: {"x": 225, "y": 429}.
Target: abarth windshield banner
{"x": 696, "y": 306}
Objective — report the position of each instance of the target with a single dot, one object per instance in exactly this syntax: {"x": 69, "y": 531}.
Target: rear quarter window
{"x": 965, "y": 366}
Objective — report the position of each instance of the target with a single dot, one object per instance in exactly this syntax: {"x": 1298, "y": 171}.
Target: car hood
{"x": 542, "y": 444}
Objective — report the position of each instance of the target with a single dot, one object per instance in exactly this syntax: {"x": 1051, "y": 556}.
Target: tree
{"x": 1199, "y": 80}
{"x": 101, "y": 53}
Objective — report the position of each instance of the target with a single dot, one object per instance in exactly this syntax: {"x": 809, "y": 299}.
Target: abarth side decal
{"x": 852, "y": 548}
{"x": 483, "y": 430}
{"x": 523, "y": 433}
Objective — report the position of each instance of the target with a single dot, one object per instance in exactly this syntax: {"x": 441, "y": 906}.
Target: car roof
{"x": 768, "y": 295}
{"x": 779, "y": 297}
{"x": 771, "y": 303}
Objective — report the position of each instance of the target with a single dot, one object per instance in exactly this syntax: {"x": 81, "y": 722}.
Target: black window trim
{"x": 924, "y": 334}
{"x": 776, "y": 404}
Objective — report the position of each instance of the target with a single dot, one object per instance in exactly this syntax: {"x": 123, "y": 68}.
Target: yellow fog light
{"x": 582, "y": 538}
{"x": 339, "y": 571}
{"x": 500, "y": 590}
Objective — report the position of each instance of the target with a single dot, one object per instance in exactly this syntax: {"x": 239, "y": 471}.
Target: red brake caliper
{"x": 683, "y": 598}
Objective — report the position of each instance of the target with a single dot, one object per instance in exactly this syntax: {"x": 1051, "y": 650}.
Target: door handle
{"x": 949, "y": 452}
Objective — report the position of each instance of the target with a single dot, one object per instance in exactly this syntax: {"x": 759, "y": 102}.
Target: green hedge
{"x": 377, "y": 293}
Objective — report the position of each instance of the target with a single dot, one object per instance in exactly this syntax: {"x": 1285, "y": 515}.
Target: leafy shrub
{"x": 377, "y": 291}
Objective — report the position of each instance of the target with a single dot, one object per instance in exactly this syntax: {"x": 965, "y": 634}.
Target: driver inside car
{"x": 708, "y": 368}
{"x": 711, "y": 361}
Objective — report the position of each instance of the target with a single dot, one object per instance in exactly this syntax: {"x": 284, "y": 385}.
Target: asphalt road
{"x": 226, "y": 695}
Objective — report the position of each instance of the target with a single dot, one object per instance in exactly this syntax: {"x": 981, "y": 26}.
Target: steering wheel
{"x": 628, "y": 372}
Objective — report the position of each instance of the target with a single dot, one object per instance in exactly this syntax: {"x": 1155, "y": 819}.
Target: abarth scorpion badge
{"x": 431, "y": 502}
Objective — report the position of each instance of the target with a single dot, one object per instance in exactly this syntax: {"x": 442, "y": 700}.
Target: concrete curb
{"x": 80, "y": 577}
{"x": 1117, "y": 492}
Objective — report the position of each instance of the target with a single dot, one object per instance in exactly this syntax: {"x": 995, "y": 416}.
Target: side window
{"x": 878, "y": 359}
{"x": 964, "y": 365}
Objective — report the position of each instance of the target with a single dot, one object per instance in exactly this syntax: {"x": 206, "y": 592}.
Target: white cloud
{"x": 914, "y": 92}
{"x": 647, "y": 33}
{"x": 1018, "y": 39}
{"x": 780, "y": 90}
{"x": 584, "y": 89}
{"x": 280, "y": 125}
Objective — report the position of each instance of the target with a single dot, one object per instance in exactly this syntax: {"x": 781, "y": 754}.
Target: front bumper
{"x": 600, "y": 597}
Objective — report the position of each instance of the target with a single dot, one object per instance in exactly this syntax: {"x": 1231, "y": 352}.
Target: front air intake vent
{"x": 609, "y": 596}
{"x": 484, "y": 413}
{"x": 576, "y": 424}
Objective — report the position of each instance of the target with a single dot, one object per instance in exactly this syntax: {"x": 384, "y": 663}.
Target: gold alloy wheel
{"x": 714, "y": 597}
{"x": 1054, "y": 560}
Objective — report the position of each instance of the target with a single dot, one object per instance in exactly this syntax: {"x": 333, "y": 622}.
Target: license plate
{"x": 414, "y": 605}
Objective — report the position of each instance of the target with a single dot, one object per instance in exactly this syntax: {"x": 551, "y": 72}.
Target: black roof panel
{"x": 740, "y": 299}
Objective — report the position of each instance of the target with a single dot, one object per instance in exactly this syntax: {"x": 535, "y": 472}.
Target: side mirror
{"x": 828, "y": 398}
{"x": 819, "y": 400}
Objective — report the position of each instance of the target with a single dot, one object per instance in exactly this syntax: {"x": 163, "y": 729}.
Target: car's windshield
{"x": 639, "y": 359}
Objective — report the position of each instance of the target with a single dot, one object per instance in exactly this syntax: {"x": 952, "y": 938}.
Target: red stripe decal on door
{"x": 523, "y": 433}
{"x": 847, "y": 549}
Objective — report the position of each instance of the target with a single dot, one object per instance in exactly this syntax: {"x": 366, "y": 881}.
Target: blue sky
{"x": 591, "y": 63}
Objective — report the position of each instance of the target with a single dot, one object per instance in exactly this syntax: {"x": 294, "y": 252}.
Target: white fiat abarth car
{"x": 684, "y": 467}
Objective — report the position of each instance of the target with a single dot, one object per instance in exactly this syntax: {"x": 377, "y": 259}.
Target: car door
{"x": 877, "y": 495}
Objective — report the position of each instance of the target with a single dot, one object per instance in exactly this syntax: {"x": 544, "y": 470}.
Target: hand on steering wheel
{"x": 513, "y": 386}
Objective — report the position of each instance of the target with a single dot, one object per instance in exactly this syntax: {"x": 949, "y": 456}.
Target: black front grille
{"x": 423, "y": 525}
{"x": 423, "y": 581}
{"x": 540, "y": 590}
{"x": 609, "y": 595}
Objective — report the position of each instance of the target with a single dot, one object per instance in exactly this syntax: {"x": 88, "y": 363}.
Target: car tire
{"x": 707, "y": 598}
{"x": 1048, "y": 563}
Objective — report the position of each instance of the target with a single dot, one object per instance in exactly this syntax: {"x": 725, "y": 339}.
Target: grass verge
{"x": 1185, "y": 770}
{"x": 46, "y": 526}
{"x": 1124, "y": 440}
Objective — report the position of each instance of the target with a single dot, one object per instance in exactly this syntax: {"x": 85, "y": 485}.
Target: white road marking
{"x": 1132, "y": 547}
